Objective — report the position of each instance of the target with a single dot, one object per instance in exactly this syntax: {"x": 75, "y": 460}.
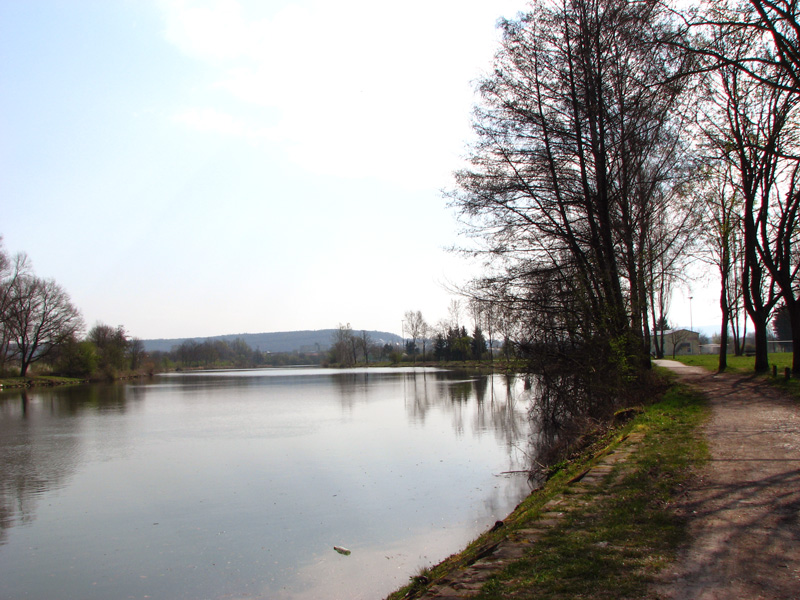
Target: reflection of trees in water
{"x": 74, "y": 400}
{"x": 481, "y": 386}
{"x": 352, "y": 387}
{"x": 503, "y": 496}
{"x": 535, "y": 417}
{"x": 476, "y": 403}
{"x": 40, "y": 448}
{"x": 561, "y": 412}
{"x": 509, "y": 409}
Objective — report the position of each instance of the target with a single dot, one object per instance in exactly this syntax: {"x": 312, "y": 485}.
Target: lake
{"x": 238, "y": 484}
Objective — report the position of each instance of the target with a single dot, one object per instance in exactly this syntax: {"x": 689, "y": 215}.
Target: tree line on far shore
{"x": 39, "y": 325}
{"x": 447, "y": 341}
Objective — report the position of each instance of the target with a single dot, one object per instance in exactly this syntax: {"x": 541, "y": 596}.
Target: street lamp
{"x": 691, "y": 321}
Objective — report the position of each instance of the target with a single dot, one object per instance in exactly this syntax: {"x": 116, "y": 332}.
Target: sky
{"x": 192, "y": 168}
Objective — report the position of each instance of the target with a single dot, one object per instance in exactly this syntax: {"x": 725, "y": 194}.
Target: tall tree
{"x": 424, "y": 334}
{"x": 11, "y": 269}
{"x": 112, "y": 346}
{"x": 364, "y": 344}
{"x": 41, "y": 318}
{"x": 136, "y": 352}
{"x": 771, "y": 21}
{"x": 782, "y": 324}
{"x": 722, "y": 230}
{"x": 578, "y": 152}
{"x": 343, "y": 346}
{"x": 754, "y": 129}
{"x": 414, "y": 325}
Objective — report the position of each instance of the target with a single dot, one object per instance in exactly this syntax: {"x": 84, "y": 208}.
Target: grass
{"x": 745, "y": 364}
{"x": 613, "y": 545}
{"x": 736, "y": 364}
{"x": 36, "y": 381}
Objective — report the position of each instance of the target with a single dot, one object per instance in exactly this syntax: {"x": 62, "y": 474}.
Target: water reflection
{"x": 240, "y": 483}
{"x": 33, "y": 459}
{"x": 42, "y": 443}
{"x": 501, "y": 403}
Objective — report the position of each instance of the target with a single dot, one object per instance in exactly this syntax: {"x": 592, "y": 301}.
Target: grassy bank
{"x": 36, "y": 381}
{"x": 613, "y": 541}
{"x": 33, "y": 381}
{"x": 736, "y": 364}
{"x": 745, "y": 364}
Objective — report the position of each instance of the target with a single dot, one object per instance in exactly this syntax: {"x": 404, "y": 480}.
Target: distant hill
{"x": 282, "y": 341}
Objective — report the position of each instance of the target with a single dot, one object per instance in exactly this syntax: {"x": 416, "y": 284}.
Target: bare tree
{"x": 579, "y": 154}
{"x": 454, "y": 312}
{"x": 136, "y": 352}
{"x": 415, "y": 324}
{"x": 680, "y": 337}
{"x": 753, "y": 128}
{"x": 343, "y": 347}
{"x": 666, "y": 256}
{"x": 424, "y": 333}
{"x": 11, "y": 269}
{"x": 722, "y": 24}
{"x": 722, "y": 230}
{"x": 41, "y": 317}
{"x": 490, "y": 325}
{"x": 364, "y": 344}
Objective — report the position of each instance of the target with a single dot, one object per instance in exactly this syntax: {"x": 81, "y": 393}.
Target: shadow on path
{"x": 744, "y": 507}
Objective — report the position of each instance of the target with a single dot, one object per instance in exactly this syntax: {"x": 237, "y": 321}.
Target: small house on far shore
{"x": 677, "y": 342}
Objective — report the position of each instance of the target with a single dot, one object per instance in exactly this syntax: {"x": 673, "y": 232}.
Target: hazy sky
{"x": 190, "y": 168}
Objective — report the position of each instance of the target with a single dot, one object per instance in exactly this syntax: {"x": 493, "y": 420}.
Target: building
{"x": 677, "y": 342}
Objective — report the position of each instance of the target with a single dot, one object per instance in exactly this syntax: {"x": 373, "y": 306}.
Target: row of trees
{"x": 749, "y": 129}
{"x": 577, "y": 191}
{"x": 106, "y": 352}
{"x": 349, "y": 348}
{"x": 617, "y": 141}
{"x": 456, "y": 344}
{"x": 221, "y": 353}
{"x": 450, "y": 338}
{"x": 447, "y": 340}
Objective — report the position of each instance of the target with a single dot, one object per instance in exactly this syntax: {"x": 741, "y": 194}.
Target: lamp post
{"x": 691, "y": 321}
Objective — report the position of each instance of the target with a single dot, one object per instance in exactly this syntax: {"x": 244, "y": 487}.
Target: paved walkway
{"x": 744, "y": 507}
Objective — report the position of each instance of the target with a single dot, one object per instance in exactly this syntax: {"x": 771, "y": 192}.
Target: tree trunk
{"x": 762, "y": 360}
{"x": 723, "y": 334}
{"x": 794, "y": 317}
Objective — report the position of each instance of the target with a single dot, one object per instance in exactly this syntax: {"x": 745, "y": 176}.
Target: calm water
{"x": 237, "y": 484}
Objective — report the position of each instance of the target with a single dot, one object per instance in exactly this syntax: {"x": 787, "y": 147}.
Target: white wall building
{"x": 677, "y": 342}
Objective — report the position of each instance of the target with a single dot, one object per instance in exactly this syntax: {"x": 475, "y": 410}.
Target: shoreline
{"x": 560, "y": 534}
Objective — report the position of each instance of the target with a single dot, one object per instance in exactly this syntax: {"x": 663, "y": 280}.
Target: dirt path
{"x": 745, "y": 505}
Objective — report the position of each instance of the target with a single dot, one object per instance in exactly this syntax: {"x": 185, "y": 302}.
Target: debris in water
{"x": 341, "y": 550}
